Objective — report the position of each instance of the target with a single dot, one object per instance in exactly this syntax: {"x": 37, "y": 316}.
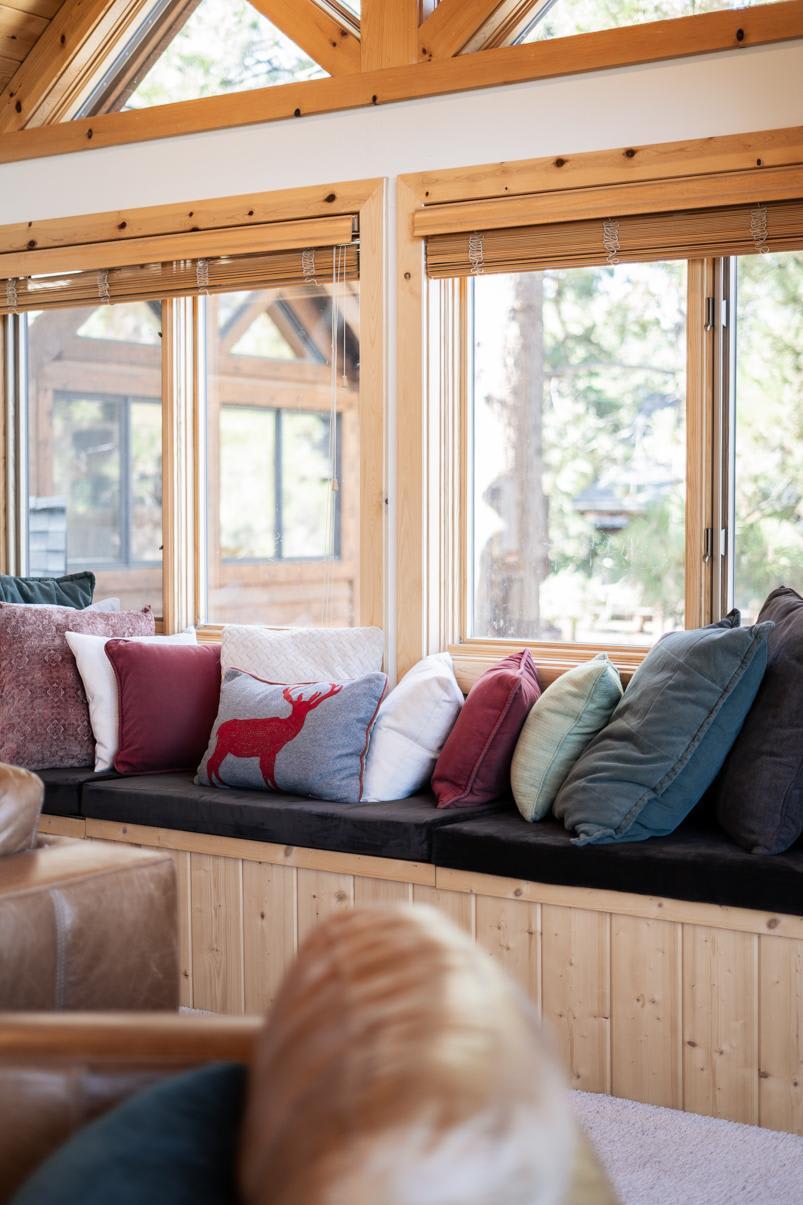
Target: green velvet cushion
{"x": 73, "y": 590}
{"x": 668, "y": 737}
{"x": 172, "y": 1144}
{"x": 561, "y": 723}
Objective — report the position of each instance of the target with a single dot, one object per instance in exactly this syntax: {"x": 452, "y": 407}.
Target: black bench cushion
{"x": 392, "y": 830}
{"x": 696, "y": 862}
{"x": 63, "y": 789}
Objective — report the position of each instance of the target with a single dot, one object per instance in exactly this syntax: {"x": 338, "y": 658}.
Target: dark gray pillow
{"x": 174, "y": 1143}
{"x": 73, "y": 590}
{"x": 759, "y": 795}
{"x": 668, "y": 737}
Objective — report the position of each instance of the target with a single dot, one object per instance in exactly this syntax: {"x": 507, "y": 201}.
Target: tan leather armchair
{"x": 83, "y": 925}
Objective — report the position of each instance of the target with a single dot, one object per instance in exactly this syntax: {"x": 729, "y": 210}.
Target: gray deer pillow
{"x": 305, "y": 739}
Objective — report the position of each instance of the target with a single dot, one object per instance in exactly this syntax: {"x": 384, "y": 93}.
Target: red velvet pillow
{"x": 474, "y": 766}
{"x": 169, "y": 695}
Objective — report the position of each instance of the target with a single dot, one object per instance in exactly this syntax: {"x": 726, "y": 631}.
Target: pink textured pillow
{"x": 169, "y": 695}
{"x": 44, "y": 718}
{"x": 474, "y": 766}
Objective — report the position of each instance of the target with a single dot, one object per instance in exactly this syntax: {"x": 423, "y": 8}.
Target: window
{"x": 631, "y": 457}
{"x": 768, "y": 430}
{"x": 283, "y": 455}
{"x": 95, "y": 447}
{"x": 563, "y": 18}
{"x": 222, "y": 46}
{"x": 577, "y": 431}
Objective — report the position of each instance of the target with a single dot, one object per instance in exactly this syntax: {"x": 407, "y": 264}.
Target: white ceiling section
{"x": 754, "y": 89}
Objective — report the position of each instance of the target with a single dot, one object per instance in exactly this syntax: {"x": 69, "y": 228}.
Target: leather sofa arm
{"x": 86, "y": 925}
{"x": 59, "y": 1071}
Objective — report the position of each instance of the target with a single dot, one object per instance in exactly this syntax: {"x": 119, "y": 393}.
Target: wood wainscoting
{"x": 693, "y": 1006}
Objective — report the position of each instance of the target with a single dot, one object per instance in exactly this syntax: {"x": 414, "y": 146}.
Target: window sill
{"x": 473, "y": 657}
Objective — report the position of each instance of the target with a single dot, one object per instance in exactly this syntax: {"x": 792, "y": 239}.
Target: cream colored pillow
{"x": 563, "y": 720}
{"x": 302, "y": 654}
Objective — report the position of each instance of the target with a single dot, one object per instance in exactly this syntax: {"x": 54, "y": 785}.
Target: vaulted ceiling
{"x": 69, "y": 65}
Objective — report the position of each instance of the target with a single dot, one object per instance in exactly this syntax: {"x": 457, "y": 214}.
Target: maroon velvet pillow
{"x": 474, "y": 766}
{"x": 44, "y": 716}
{"x": 169, "y": 695}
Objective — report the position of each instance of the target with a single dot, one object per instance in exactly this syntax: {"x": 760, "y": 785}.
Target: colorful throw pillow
{"x": 474, "y": 766}
{"x": 668, "y": 738}
{"x": 303, "y": 654}
{"x": 760, "y": 792}
{"x": 306, "y": 739}
{"x": 168, "y": 696}
{"x": 568, "y": 714}
{"x": 100, "y": 685}
{"x": 413, "y": 722}
{"x": 72, "y": 590}
{"x": 44, "y": 717}
{"x": 173, "y": 1143}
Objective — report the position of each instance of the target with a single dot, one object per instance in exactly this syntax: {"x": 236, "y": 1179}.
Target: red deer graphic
{"x": 264, "y": 738}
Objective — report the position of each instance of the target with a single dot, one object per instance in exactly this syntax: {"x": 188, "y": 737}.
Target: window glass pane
{"x": 225, "y": 46}
{"x": 567, "y": 17}
{"x": 95, "y": 449}
{"x": 577, "y": 426}
{"x": 769, "y": 428}
{"x": 309, "y": 503}
{"x": 247, "y": 483}
{"x": 283, "y": 494}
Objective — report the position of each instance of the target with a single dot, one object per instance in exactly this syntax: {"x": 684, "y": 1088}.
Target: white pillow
{"x": 302, "y": 654}
{"x": 413, "y": 723}
{"x": 100, "y": 685}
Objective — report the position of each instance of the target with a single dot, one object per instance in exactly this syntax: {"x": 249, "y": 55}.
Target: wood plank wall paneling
{"x": 270, "y": 931}
{"x": 720, "y": 1023}
{"x": 683, "y": 1008}
{"x": 216, "y": 884}
{"x": 646, "y": 1024}
{"x": 781, "y": 1034}
{"x": 576, "y": 991}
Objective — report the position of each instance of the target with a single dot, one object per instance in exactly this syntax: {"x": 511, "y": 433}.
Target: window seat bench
{"x": 670, "y": 971}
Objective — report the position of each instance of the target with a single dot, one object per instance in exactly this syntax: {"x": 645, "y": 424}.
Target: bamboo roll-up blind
{"x": 306, "y": 264}
{"x": 694, "y": 234}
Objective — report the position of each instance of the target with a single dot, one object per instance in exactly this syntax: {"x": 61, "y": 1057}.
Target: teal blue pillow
{"x": 668, "y": 737}
{"x": 172, "y": 1144}
{"x": 560, "y": 724}
{"x": 74, "y": 590}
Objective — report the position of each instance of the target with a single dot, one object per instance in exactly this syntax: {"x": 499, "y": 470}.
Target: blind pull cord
{"x": 611, "y": 239}
{"x": 476, "y": 253}
{"x": 202, "y": 275}
{"x": 759, "y": 228}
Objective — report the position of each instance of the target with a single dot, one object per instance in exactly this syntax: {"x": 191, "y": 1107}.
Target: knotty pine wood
{"x": 655, "y": 41}
{"x": 666, "y": 1001}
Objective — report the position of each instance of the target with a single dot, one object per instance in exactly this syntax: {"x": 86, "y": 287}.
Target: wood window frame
{"x": 431, "y": 399}
{"x": 62, "y": 240}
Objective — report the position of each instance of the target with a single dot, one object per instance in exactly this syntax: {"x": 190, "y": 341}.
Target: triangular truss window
{"x": 563, "y": 18}
{"x": 264, "y": 339}
{"x": 189, "y": 50}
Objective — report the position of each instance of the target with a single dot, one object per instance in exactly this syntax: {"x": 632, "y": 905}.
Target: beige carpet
{"x": 664, "y": 1157}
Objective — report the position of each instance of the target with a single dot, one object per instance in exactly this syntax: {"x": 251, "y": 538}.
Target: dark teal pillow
{"x": 668, "y": 737}
{"x": 172, "y": 1144}
{"x": 74, "y": 590}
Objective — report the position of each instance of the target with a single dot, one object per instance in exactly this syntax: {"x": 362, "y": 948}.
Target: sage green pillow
{"x": 568, "y": 714}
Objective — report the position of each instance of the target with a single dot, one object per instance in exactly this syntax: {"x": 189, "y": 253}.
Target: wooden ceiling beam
{"x": 653, "y": 42}
{"x": 50, "y": 83}
{"x": 316, "y": 31}
{"x": 389, "y": 33}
